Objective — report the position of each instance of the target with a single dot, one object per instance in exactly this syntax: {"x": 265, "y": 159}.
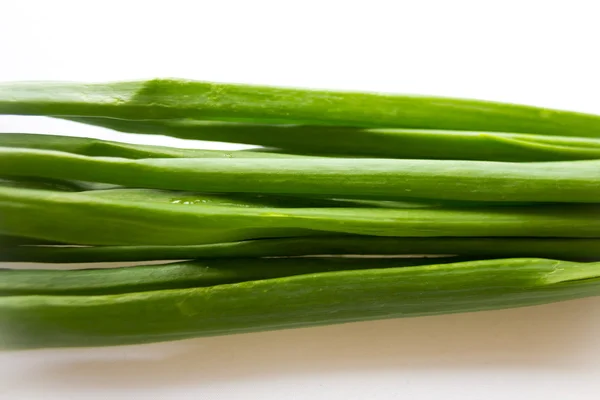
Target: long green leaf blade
{"x": 181, "y": 275}
{"x": 297, "y": 301}
{"x": 171, "y": 98}
{"x": 375, "y": 143}
{"x": 560, "y": 248}
{"x": 568, "y": 181}
{"x": 86, "y": 218}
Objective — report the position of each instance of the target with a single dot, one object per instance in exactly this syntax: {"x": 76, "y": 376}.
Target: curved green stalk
{"x": 568, "y": 181}
{"x": 249, "y": 199}
{"x": 101, "y": 190}
{"x": 84, "y": 218}
{"x": 104, "y": 148}
{"x": 560, "y": 248}
{"x": 298, "y": 301}
{"x": 181, "y": 275}
{"x": 172, "y": 98}
{"x": 376, "y": 143}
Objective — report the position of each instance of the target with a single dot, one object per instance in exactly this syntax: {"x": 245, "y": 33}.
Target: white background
{"x": 537, "y": 52}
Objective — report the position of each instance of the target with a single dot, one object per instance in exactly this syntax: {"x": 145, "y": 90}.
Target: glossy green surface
{"x": 567, "y": 181}
{"x": 172, "y": 98}
{"x": 105, "y": 148}
{"x": 67, "y": 217}
{"x": 290, "y": 302}
{"x": 376, "y": 143}
{"x": 244, "y": 200}
{"x": 200, "y": 273}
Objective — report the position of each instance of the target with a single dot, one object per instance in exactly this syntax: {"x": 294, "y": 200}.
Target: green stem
{"x": 571, "y": 182}
{"x": 560, "y": 248}
{"x": 103, "y": 148}
{"x": 200, "y": 273}
{"x": 88, "y": 218}
{"x": 171, "y": 98}
{"x": 376, "y": 143}
{"x": 290, "y": 302}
